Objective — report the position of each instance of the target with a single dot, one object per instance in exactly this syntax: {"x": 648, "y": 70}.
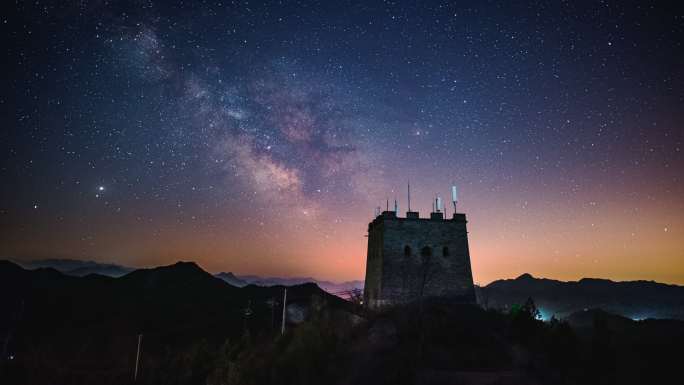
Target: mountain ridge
{"x": 94, "y": 321}
{"x": 637, "y": 299}
{"x": 633, "y": 299}
{"x": 80, "y": 268}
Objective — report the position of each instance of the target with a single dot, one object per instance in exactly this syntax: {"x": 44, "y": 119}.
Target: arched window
{"x": 445, "y": 251}
{"x": 426, "y": 252}
{"x": 407, "y": 251}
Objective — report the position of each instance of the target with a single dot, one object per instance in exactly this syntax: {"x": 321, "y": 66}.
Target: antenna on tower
{"x": 408, "y": 186}
{"x": 454, "y": 196}
{"x": 387, "y": 204}
{"x": 438, "y": 204}
{"x": 396, "y": 207}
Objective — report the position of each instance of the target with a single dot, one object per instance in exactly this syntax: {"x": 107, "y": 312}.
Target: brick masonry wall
{"x": 374, "y": 261}
{"x": 393, "y": 277}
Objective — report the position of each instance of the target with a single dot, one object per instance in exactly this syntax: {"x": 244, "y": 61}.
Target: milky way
{"x": 260, "y": 138}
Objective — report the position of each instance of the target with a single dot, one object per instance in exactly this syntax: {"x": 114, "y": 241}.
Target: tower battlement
{"x": 412, "y": 258}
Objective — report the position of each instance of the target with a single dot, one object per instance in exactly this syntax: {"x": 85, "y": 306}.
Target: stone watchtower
{"x": 412, "y": 258}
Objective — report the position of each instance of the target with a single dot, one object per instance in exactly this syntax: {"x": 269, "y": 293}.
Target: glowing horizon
{"x": 610, "y": 243}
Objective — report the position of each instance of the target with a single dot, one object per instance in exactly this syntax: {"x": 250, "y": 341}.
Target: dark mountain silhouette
{"x": 82, "y": 268}
{"x": 329, "y": 286}
{"x": 631, "y": 299}
{"x": 90, "y": 324}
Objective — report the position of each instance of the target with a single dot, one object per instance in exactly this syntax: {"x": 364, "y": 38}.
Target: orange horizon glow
{"x": 622, "y": 238}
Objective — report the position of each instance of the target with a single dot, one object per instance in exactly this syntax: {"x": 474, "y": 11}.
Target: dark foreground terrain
{"x": 197, "y": 329}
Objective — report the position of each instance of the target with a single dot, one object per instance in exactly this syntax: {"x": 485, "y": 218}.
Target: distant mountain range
{"x": 331, "y": 287}
{"x": 77, "y": 268}
{"x": 82, "y": 268}
{"x": 633, "y": 299}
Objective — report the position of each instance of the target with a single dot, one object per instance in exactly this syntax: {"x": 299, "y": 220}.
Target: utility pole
{"x": 137, "y": 358}
{"x": 282, "y": 327}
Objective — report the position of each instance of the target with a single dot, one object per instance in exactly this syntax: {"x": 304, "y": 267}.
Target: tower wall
{"x": 395, "y": 274}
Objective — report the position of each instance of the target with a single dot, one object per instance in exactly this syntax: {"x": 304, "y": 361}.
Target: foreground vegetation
{"x": 458, "y": 344}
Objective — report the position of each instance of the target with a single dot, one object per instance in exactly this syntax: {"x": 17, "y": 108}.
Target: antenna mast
{"x": 454, "y": 196}
{"x": 408, "y": 185}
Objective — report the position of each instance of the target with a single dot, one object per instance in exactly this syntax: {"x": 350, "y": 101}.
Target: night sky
{"x": 259, "y": 138}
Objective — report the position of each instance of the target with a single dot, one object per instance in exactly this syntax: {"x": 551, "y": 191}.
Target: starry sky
{"x": 259, "y": 138}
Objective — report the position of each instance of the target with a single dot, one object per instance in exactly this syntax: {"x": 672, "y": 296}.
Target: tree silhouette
{"x": 530, "y": 309}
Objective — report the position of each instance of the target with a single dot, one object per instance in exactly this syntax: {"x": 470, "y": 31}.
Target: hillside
{"x": 82, "y": 268}
{"x": 61, "y": 326}
{"x": 631, "y": 299}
